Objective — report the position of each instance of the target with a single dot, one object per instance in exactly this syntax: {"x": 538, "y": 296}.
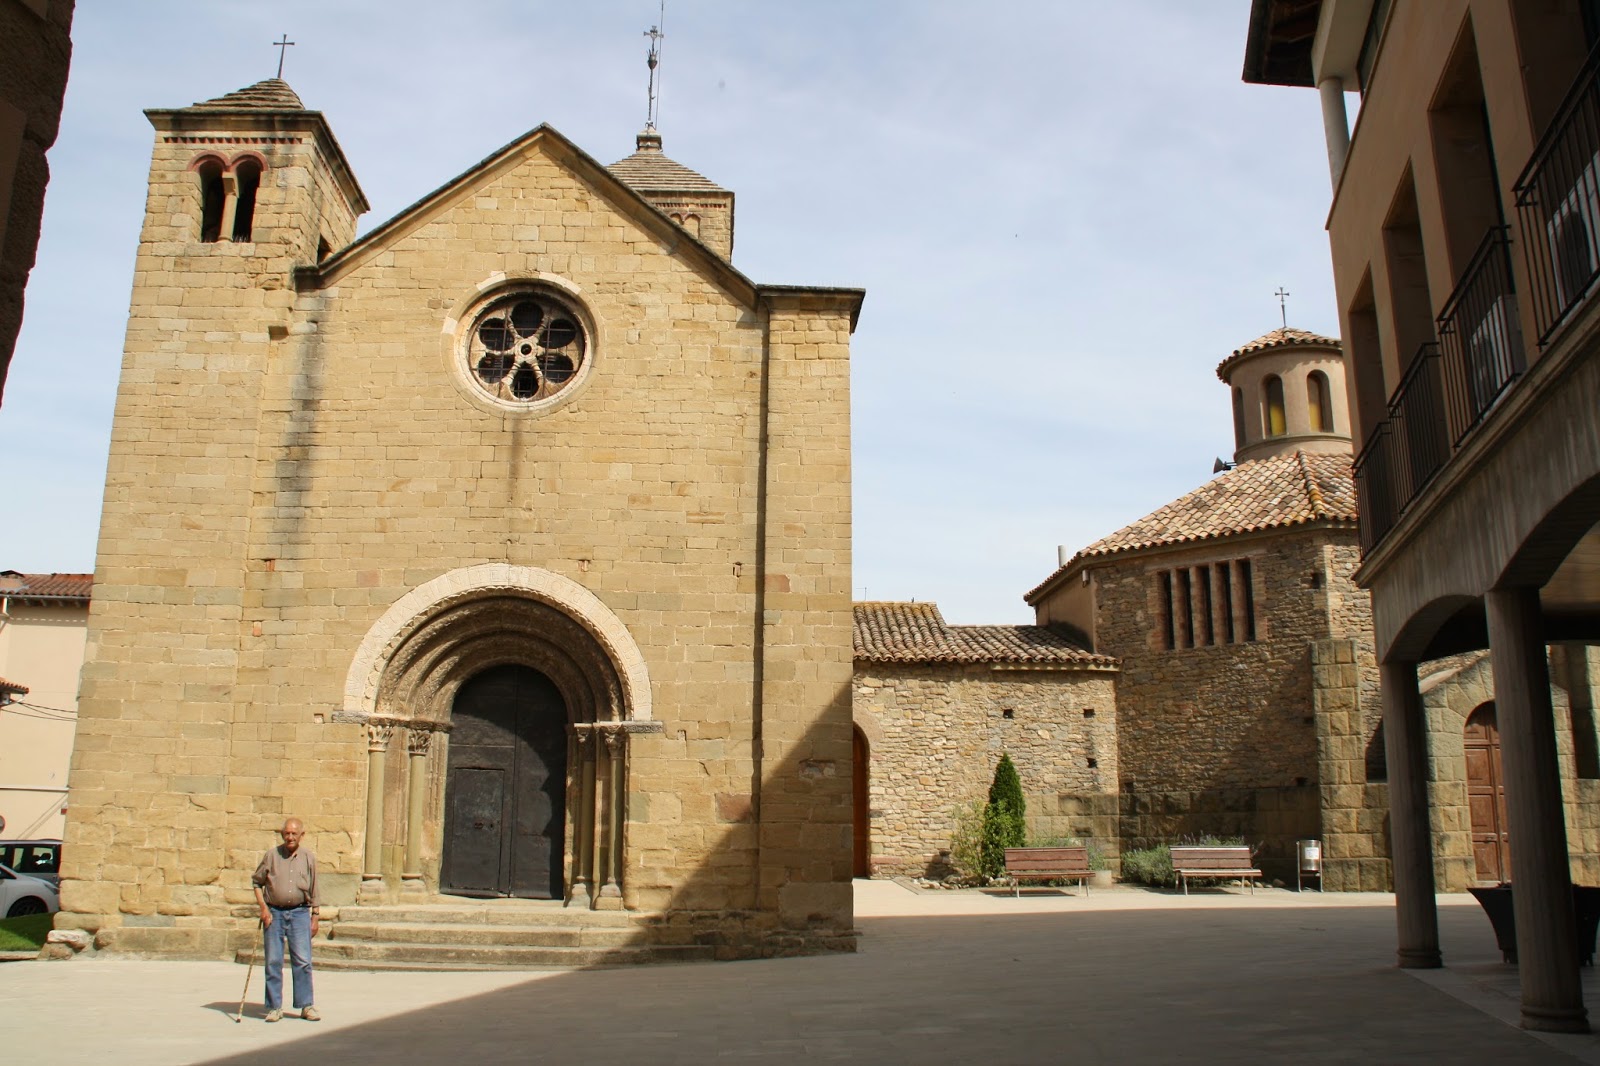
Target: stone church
{"x": 507, "y": 544}
{"x": 1207, "y": 669}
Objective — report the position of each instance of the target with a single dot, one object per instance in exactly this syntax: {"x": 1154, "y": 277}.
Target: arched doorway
{"x": 1486, "y": 796}
{"x": 505, "y": 787}
{"x": 861, "y": 794}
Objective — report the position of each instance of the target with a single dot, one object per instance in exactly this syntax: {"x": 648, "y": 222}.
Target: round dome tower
{"x": 1288, "y": 395}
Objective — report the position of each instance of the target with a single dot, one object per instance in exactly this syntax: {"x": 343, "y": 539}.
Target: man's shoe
{"x": 274, "y": 1015}
{"x": 310, "y": 1014}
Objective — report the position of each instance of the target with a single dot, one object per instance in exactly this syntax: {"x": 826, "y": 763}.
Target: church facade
{"x": 507, "y": 545}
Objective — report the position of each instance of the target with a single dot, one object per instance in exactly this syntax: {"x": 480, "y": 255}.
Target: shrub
{"x": 1004, "y": 818}
{"x": 1148, "y": 866}
{"x": 1153, "y": 866}
{"x": 966, "y": 841}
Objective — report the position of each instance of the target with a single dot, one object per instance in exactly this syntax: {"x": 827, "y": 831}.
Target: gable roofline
{"x": 202, "y": 118}
{"x": 1166, "y": 529}
{"x": 617, "y": 191}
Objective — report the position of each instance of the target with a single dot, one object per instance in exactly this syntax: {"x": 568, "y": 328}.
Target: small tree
{"x": 1004, "y": 818}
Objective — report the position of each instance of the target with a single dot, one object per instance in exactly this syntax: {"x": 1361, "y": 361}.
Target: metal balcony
{"x": 1446, "y": 391}
{"x": 1558, "y": 207}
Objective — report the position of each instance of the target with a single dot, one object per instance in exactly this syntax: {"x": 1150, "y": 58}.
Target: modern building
{"x": 44, "y": 619}
{"x": 1465, "y": 231}
{"x": 508, "y": 545}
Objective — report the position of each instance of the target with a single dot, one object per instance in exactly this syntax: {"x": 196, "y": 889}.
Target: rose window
{"x": 525, "y": 348}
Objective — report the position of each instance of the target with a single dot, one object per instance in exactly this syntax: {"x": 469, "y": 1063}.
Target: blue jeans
{"x": 294, "y": 925}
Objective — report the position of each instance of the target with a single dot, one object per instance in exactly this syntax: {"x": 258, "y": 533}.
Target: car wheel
{"x": 27, "y": 905}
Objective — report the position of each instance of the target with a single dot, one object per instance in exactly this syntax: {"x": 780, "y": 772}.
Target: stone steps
{"x": 503, "y": 935}
{"x": 488, "y": 935}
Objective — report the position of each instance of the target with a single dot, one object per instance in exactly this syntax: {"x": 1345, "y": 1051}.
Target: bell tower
{"x": 1288, "y": 395}
{"x": 251, "y": 178}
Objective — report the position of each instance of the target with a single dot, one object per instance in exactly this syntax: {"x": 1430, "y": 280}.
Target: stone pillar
{"x": 417, "y": 742}
{"x": 379, "y": 733}
{"x": 1410, "y": 837}
{"x": 1552, "y": 994}
{"x": 1335, "y": 126}
{"x": 616, "y": 747}
{"x": 582, "y": 894}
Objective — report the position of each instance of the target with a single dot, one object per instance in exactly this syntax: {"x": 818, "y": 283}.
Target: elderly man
{"x": 286, "y": 890}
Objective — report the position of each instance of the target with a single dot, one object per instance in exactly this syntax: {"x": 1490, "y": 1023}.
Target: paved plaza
{"x": 1123, "y": 975}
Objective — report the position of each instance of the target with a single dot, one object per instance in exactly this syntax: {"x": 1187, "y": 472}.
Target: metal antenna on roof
{"x": 283, "y": 47}
{"x": 654, "y": 60}
{"x": 1283, "y": 308}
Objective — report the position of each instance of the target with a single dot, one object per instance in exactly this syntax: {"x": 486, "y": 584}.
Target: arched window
{"x": 1276, "y": 425}
{"x": 210, "y": 175}
{"x": 1238, "y": 417}
{"x": 247, "y": 174}
{"x": 1319, "y": 403}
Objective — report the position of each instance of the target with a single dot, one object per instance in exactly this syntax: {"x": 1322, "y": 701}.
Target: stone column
{"x": 379, "y": 733}
{"x": 1552, "y": 994}
{"x": 417, "y": 742}
{"x": 582, "y": 894}
{"x": 1335, "y": 125}
{"x": 1410, "y": 837}
{"x": 611, "y": 856}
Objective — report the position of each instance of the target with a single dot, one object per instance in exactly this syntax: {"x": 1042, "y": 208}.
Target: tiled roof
{"x": 917, "y": 633}
{"x": 648, "y": 169}
{"x": 11, "y": 688}
{"x": 270, "y": 95}
{"x": 1278, "y": 338}
{"x": 1285, "y": 490}
{"x": 46, "y": 586}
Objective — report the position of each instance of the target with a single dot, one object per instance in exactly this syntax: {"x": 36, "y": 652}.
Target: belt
{"x": 290, "y": 907}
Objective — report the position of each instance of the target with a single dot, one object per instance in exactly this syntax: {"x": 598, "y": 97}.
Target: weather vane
{"x": 283, "y": 47}
{"x": 655, "y": 36}
{"x": 1283, "y": 308}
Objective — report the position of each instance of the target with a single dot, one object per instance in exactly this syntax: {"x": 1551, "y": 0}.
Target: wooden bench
{"x": 1047, "y": 864}
{"x": 1224, "y": 862}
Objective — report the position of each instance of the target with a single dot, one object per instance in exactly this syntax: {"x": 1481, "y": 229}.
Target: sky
{"x": 1064, "y": 213}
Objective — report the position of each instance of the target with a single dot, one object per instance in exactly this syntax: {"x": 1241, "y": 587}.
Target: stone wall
{"x": 1356, "y": 805}
{"x": 1225, "y": 716}
{"x": 936, "y": 731}
{"x": 35, "y": 51}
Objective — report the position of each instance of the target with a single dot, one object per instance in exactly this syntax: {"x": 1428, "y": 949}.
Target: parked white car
{"x": 21, "y": 894}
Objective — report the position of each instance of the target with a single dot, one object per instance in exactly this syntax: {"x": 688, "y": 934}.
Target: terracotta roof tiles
{"x": 1279, "y": 338}
{"x": 1285, "y": 490}
{"x": 46, "y": 586}
{"x": 897, "y": 632}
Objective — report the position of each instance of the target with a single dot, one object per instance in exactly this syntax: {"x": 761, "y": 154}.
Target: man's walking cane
{"x": 260, "y": 928}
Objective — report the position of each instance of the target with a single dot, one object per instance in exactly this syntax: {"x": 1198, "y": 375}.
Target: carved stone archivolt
{"x": 416, "y": 666}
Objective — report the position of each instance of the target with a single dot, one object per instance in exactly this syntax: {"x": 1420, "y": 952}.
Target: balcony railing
{"x": 1480, "y": 334}
{"x": 1558, "y": 206}
{"x": 1408, "y": 448}
{"x": 1446, "y": 391}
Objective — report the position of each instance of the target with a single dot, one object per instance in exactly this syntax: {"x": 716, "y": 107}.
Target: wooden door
{"x": 861, "y": 795}
{"x": 505, "y": 789}
{"x": 1486, "y": 796}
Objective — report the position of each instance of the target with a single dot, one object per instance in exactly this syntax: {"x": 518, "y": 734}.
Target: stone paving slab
{"x": 1120, "y": 976}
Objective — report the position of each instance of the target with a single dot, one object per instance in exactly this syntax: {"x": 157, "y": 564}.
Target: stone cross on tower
{"x": 283, "y": 47}
{"x": 1283, "y": 308}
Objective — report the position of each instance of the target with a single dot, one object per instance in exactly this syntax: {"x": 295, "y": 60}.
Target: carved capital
{"x": 417, "y": 741}
{"x": 616, "y": 742}
{"x": 379, "y": 734}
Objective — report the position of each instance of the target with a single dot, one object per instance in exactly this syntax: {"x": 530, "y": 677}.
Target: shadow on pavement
{"x": 1313, "y": 984}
